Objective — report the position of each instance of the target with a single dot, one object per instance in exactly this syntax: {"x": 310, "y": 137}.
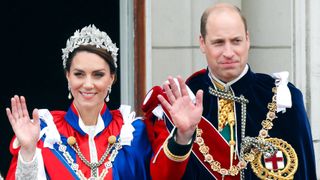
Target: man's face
{"x": 226, "y": 45}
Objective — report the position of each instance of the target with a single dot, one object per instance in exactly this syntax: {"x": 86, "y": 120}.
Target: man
{"x": 240, "y": 124}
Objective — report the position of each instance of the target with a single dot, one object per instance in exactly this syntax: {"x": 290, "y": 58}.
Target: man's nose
{"x": 228, "y": 50}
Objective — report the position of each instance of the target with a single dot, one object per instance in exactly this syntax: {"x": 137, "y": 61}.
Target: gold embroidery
{"x": 225, "y": 108}
{"x": 172, "y": 156}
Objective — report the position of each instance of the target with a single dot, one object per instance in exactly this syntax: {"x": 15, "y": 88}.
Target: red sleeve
{"x": 14, "y": 160}
{"x": 161, "y": 167}
{"x": 12, "y": 169}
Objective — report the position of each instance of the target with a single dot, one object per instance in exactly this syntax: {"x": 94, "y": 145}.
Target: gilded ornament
{"x": 71, "y": 140}
{"x": 242, "y": 164}
{"x": 253, "y": 148}
{"x": 199, "y": 131}
{"x": 208, "y": 158}
{"x": 232, "y": 143}
{"x": 284, "y": 174}
{"x": 215, "y": 166}
{"x": 231, "y": 119}
{"x": 266, "y": 124}
{"x": 271, "y": 115}
{"x": 249, "y": 157}
{"x": 234, "y": 170}
{"x": 263, "y": 133}
{"x": 112, "y": 139}
{"x": 223, "y": 171}
{"x": 272, "y": 106}
{"x": 274, "y": 98}
{"x": 199, "y": 140}
{"x": 204, "y": 149}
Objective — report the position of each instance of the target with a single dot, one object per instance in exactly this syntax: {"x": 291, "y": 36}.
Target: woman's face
{"x": 89, "y": 78}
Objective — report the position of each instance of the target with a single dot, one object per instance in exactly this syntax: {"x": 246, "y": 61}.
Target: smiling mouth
{"x": 88, "y": 95}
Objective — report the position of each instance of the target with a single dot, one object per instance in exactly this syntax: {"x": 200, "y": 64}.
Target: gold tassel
{"x": 232, "y": 143}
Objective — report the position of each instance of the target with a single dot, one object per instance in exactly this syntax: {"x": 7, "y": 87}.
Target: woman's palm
{"x": 26, "y": 130}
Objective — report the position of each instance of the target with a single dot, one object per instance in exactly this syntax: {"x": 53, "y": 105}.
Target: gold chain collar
{"x": 254, "y": 155}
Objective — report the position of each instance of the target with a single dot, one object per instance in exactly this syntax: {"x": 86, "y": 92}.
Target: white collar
{"x": 228, "y": 84}
{"x": 97, "y": 128}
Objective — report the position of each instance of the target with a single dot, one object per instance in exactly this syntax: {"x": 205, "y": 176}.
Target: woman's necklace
{"x": 113, "y": 147}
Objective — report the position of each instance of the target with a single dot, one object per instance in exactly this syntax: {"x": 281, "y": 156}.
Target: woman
{"x": 88, "y": 141}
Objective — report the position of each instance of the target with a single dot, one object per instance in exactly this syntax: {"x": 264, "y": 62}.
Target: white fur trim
{"x": 158, "y": 112}
{"x": 126, "y": 133}
{"x": 283, "y": 92}
{"x": 52, "y": 134}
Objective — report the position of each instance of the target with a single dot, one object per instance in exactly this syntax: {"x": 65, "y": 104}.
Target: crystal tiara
{"x": 89, "y": 35}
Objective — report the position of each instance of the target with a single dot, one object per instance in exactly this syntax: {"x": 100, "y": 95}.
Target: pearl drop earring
{"x": 69, "y": 95}
{"x": 108, "y": 91}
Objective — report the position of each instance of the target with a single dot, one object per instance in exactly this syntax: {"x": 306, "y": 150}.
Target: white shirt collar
{"x": 97, "y": 128}
{"x": 228, "y": 84}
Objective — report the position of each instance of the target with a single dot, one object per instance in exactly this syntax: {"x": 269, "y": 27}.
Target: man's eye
{"x": 217, "y": 43}
{"x": 237, "y": 41}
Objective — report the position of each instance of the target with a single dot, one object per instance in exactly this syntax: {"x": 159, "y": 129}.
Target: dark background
{"x": 32, "y": 35}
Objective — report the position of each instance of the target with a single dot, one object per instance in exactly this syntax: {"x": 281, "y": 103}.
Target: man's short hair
{"x": 206, "y": 14}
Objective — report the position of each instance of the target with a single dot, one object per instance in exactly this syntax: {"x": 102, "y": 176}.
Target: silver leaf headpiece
{"x": 90, "y": 35}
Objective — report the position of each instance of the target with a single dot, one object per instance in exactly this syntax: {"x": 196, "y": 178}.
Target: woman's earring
{"x": 69, "y": 95}
{"x": 108, "y": 91}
